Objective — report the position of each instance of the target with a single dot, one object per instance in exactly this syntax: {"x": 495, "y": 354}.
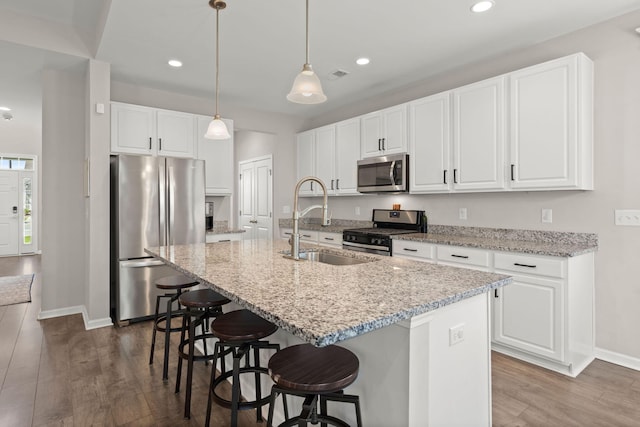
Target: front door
{"x": 9, "y": 215}
{"x": 255, "y": 198}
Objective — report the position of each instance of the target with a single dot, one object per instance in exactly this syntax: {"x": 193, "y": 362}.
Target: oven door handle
{"x": 365, "y": 246}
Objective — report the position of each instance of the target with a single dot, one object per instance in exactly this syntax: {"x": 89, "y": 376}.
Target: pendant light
{"x": 217, "y": 129}
{"x": 306, "y": 87}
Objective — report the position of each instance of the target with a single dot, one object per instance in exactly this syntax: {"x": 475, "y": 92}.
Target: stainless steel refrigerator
{"x": 155, "y": 201}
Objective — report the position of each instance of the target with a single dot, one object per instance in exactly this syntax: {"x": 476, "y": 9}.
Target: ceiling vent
{"x": 337, "y": 74}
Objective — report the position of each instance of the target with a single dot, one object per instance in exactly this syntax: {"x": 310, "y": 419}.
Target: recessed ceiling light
{"x": 482, "y": 6}
{"x": 5, "y": 109}
{"x": 175, "y": 63}
{"x": 362, "y": 61}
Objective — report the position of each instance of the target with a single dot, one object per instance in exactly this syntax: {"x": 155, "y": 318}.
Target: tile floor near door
{"x": 54, "y": 373}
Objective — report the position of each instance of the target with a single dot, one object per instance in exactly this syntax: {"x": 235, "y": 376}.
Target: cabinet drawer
{"x": 308, "y": 236}
{"x": 223, "y": 237}
{"x": 466, "y": 256}
{"x": 413, "y": 249}
{"x": 531, "y": 264}
{"x": 326, "y": 238}
{"x": 285, "y": 233}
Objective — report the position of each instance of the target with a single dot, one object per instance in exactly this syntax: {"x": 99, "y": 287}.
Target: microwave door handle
{"x": 392, "y": 173}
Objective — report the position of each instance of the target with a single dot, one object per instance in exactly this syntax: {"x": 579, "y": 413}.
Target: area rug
{"x": 15, "y": 289}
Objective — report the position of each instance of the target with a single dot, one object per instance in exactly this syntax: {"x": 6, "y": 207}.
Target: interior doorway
{"x": 255, "y": 198}
{"x": 17, "y": 210}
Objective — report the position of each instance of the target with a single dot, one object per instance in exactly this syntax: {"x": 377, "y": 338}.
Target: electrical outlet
{"x": 627, "y": 217}
{"x": 546, "y": 215}
{"x": 456, "y": 334}
{"x": 357, "y": 210}
{"x": 462, "y": 213}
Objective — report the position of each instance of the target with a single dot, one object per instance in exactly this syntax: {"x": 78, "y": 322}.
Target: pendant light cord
{"x": 307, "y": 32}
{"x": 218, "y": 56}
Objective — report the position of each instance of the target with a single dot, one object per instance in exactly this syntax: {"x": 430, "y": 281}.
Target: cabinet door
{"x": 371, "y": 134}
{"x": 305, "y": 144}
{"x": 325, "y": 157}
{"x": 478, "y": 134}
{"x": 527, "y": 315}
{"x": 175, "y": 133}
{"x": 429, "y": 142}
{"x": 132, "y": 129}
{"x": 394, "y": 133}
{"x": 545, "y": 132}
{"x": 347, "y": 156}
{"x": 218, "y": 159}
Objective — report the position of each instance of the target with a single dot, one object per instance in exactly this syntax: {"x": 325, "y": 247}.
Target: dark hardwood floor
{"x": 54, "y": 373}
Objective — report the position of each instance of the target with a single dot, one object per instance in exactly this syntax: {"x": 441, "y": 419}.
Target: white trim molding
{"x": 59, "y": 312}
{"x": 77, "y": 309}
{"x": 617, "y": 358}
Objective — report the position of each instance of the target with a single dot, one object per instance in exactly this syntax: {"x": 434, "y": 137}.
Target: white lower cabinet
{"x": 330, "y": 239}
{"x": 306, "y": 236}
{"x": 223, "y": 237}
{"x": 322, "y": 238}
{"x": 545, "y": 316}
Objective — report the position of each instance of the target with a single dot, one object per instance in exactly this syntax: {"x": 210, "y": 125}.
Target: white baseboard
{"x": 618, "y": 359}
{"x": 96, "y": 323}
{"x": 59, "y": 312}
{"x": 78, "y": 309}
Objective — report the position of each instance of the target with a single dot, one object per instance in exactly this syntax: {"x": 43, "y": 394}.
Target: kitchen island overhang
{"x": 396, "y": 315}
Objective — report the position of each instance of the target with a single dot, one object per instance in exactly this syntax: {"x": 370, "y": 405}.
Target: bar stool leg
{"x": 256, "y": 361}
{"x": 155, "y": 324}
{"x": 182, "y": 335}
{"x": 192, "y": 334}
{"x": 167, "y": 341}
{"x": 235, "y": 389}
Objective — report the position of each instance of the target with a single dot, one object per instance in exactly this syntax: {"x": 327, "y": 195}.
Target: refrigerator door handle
{"x": 162, "y": 208}
{"x": 141, "y": 263}
{"x": 171, "y": 180}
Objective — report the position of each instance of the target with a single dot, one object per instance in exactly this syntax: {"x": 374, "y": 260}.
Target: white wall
{"x": 63, "y": 220}
{"x": 614, "y": 48}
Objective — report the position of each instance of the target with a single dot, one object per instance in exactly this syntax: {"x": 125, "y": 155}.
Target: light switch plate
{"x": 546, "y": 216}
{"x": 627, "y": 217}
{"x": 456, "y": 334}
{"x": 462, "y": 213}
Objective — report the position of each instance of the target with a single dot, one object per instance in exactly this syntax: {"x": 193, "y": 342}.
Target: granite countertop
{"x": 321, "y": 303}
{"x": 313, "y": 224}
{"x": 550, "y": 243}
{"x": 222, "y": 227}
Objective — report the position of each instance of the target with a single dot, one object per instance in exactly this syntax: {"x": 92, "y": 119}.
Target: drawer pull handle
{"x": 306, "y": 235}
{"x": 224, "y": 240}
{"x": 329, "y": 238}
{"x": 410, "y": 250}
{"x": 524, "y": 265}
{"x": 460, "y": 256}
{"x": 286, "y": 233}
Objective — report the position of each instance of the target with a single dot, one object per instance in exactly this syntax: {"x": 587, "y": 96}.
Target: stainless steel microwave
{"x": 384, "y": 174}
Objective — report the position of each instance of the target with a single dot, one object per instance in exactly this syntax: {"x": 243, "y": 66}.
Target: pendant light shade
{"x": 217, "y": 129}
{"x": 307, "y": 88}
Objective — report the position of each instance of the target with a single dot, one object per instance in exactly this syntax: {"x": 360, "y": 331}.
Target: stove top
{"x": 374, "y": 231}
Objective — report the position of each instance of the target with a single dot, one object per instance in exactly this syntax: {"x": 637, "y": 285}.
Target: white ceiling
{"x": 262, "y": 43}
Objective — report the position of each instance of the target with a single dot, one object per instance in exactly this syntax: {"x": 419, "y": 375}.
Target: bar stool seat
{"x": 174, "y": 285}
{"x": 319, "y": 375}
{"x": 238, "y": 333}
{"x": 200, "y": 306}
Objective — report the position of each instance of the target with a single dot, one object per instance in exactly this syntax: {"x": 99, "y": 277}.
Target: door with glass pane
{"x": 9, "y": 214}
{"x": 27, "y": 219}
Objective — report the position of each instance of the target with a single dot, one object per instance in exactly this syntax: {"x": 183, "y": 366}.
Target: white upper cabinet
{"x": 325, "y": 155}
{"x": 218, "y": 158}
{"x": 347, "y": 156}
{"x": 132, "y": 129}
{"x": 143, "y": 130}
{"x": 478, "y": 136}
{"x": 551, "y": 142}
{"x": 429, "y": 144}
{"x": 175, "y": 133}
{"x": 384, "y": 131}
{"x": 305, "y": 145}
{"x": 330, "y": 153}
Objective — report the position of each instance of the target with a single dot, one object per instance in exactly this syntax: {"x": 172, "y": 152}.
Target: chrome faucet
{"x": 295, "y": 236}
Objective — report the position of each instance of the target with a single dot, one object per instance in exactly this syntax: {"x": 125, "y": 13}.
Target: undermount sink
{"x": 330, "y": 258}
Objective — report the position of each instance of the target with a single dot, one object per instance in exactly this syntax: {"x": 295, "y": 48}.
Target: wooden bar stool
{"x": 200, "y": 306}
{"x": 317, "y": 374}
{"x": 176, "y": 284}
{"x": 238, "y": 333}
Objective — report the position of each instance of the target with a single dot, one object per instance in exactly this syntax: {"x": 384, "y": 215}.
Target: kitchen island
{"x": 421, "y": 331}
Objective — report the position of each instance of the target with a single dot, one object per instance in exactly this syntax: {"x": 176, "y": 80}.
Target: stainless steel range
{"x": 386, "y": 223}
